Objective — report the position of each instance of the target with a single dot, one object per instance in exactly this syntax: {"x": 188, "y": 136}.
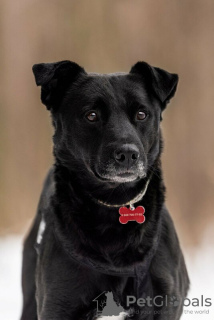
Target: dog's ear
{"x": 161, "y": 82}
{"x": 54, "y": 79}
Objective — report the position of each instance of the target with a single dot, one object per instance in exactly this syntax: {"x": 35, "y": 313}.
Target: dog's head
{"x": 107, "y": 125}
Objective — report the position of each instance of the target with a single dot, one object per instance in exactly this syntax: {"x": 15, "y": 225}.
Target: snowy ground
{"x": 200, "y": 265}
{"x": 10, "y": 277}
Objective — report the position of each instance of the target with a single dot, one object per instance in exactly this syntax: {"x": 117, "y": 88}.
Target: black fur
{"x": 84, "y": 249}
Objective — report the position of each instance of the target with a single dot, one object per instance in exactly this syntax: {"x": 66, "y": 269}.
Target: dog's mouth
{"x": 121, "y": 176}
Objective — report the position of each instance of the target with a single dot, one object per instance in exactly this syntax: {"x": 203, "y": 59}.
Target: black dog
{"x": 107, "y": 147}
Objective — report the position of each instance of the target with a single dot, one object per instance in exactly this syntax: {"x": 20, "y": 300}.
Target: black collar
{"x": 131, "y": 202}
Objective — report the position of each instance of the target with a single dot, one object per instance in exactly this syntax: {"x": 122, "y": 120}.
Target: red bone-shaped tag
{"x": 128, "y": 214}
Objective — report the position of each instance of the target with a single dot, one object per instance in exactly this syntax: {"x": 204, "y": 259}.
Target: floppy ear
{"x": 161, "y": 82}
{"x": 54, "y": 79}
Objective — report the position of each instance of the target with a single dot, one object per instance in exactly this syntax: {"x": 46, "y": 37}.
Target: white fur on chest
{"x": 121, "y": 316}
{"x": 41, "y": 230}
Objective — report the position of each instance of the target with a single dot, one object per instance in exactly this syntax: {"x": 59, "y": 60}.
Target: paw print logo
{"x": 174, "y": 301}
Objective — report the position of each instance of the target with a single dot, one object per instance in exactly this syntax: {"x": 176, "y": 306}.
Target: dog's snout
{"x": 127, "y": 155}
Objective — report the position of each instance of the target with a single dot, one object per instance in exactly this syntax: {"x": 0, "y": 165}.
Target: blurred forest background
{"x": 108, "y": 36}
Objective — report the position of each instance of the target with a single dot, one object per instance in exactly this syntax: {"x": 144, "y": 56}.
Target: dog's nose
{"x": 127, "y": 155}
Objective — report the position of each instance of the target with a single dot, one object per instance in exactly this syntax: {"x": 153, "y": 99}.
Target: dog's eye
{"x": 92, "y": 116}
{"x": 141, "y": 115}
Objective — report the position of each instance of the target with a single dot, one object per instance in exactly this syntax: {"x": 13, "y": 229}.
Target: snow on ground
{"x": 200, "y": 264}
{"x": 10, "y": 277}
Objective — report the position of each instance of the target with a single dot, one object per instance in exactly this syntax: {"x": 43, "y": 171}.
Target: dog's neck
{"x": 131, "y": 202}
{"x": 92, "y": 232}
{"x": 97, "y": 227}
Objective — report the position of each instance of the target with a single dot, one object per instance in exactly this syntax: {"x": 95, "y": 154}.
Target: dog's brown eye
{"x": 141, "y": 115}
{"x": 92, "y": 116}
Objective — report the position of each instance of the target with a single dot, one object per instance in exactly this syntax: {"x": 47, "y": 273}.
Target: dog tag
{"x": 132, "y": 214}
